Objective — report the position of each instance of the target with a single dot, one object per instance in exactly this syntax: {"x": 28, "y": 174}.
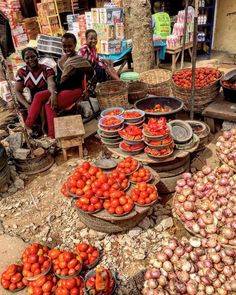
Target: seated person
{"x": 160, "y": 21}
{"x": 34, "y": 76}
{"x": 104, "y": 69}
{"x": 69, "y": 89}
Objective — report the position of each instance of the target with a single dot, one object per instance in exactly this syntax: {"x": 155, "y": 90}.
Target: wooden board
{"x": 178, "y": 49}
{"x": 69, "y": 126}
{"x": 145, "y": 159}
{"x": 221, "y": 109}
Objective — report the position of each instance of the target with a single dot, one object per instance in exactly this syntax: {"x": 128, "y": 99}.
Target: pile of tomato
{"x": 141, "y": 175}
{"x": 62, "y": 263}
{"x": 119, "y": 203}
{"x": 158, "y": 108}
{"x": 132, "y": 147}
{"x": 111, "y": 121}
{"x": 158, "y": 153}
{"x": 132, "y": 115}
{"x": 204, "y": 77}
{"x": 128, "y": 165}
{"x": 144, "y": 194}
{"x": 115, "y": 112}
{"x": 156, "y": 127}
{"x": 158, "y": 143}
{"x": 131, "y": 132}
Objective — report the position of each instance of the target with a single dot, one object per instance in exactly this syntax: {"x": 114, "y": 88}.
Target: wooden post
{"x": 194, "y": 60}
{"x": 184, "y": 35}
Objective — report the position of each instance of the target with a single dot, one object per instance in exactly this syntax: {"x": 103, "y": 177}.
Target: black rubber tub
{"x": 175, "y": 104}
{"x": 229, "y": 93}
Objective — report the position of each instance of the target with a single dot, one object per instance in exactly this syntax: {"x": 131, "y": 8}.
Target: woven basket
{"x": 203, "y": 95}
{"x": 137, "y": 90}
{"x": 112, "y": 94}
{"x": 158, "y": 81}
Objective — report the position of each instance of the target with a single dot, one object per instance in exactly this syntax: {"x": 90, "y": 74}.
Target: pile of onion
{"x": 191, "y": 267}
{"x": 226, "y": 147}
{"x": 206, "y": 203}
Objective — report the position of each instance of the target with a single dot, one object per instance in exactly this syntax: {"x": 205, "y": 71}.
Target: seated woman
{"x": 34, "y": 76}
{"x": 69, "y": 89}
{"x": 104, "y": 69}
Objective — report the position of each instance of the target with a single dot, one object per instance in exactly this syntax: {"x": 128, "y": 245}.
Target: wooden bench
{"x": 70, "y": 132}
{"x": 219, "y": 109}
{"x": 175, "y": 52}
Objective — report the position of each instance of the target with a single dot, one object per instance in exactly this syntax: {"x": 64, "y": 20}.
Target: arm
{"x": 19, "y": 87}
{"x": 52, "y": 89}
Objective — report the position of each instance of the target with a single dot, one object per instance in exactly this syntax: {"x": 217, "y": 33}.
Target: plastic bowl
{"x": 130, "y": 141}
{"x": 135, "y": 152}
{"x": 134, "y": 120}
{"x": 107, "y": 111}
{"x": 111, "y": 132}
{"x": 153, "y": 137}
{"x": 120, "y": 118}
{"x": 181, "y": 131}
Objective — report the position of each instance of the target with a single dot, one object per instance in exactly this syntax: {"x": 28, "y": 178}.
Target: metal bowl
{"x": 175, "y": 104}
{"x": 134, "y": 120}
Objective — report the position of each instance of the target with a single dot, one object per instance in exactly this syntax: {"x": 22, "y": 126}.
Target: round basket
{"x": 203, "y": 95}
{"x": 137, "y": 90}
{"x": 112, "y": 94}
{"x": 158, "y": 81}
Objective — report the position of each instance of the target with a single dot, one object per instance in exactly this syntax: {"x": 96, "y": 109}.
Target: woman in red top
{"x": 104, "y": 69}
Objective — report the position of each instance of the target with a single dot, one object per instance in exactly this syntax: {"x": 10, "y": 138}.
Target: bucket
{"x": 129, "y": 76}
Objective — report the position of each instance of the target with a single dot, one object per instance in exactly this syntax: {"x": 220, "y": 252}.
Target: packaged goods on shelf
{"x": 95, "y": 14}
{"x": 110, "y": 46}
{"x": 173, "y": 41}
{"x": 31, "y": 27}
{"x": 114, "y": 15}
{"x": 49, "y": 44}
{"x": 71, "y": 19}
{"x": 5, "y": 93}
{"x": 104, "y": 31}
{"x": 88, "y": 20}
{"x": 119, "y": 31}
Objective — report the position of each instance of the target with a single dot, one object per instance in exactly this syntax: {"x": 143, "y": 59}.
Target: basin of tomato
{"x": 131, "y": 134}
{"x": 156, "y": 128}
{"x": 141, "y": 175}
{"x": 88, "y": 253}
{"x": 35, "y": 261}
{"x": 12, "y": 278}
{"x": 114, "y": 111}
{"x": 111, "y": 121}
{"x": 119, "y": 203}
{"x": 133, "y": 115}
{"x": 100, "y": 283}
{"x": 65, "y": 264}
{"x": 128, "y": 165}
{"x": 159, "y": 143}
{"x": 203, "y": 77}
{"x": 144, "y": 194}
{"x": 162, "y": 153}
{"x": 72, "y": 286}
{"x": 43, "y": 285}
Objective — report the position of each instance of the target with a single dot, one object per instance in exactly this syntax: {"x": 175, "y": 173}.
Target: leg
{"x": 64, "y": 154}
{"x": 39, "y": 101}
{"x": 173, "y": 63}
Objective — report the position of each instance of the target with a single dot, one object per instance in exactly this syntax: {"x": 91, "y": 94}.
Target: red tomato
{"x": 119, "y": 210}
{"x": 86, "y": 165}
{"x": 71, "y": 283}
{"x": 47, "y": 287}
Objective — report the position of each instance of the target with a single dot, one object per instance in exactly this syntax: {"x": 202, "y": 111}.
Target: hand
{"x": 53, "y": 100}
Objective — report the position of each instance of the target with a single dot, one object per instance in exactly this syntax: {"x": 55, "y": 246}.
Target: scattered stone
{"x": 21, "y": 154}
{"x": 145, "y": 223}
{"x": 38, "y": 152}
{"x": 19, "y": 183}
{"x": 12, "y": 189}
{"x": 15, "y": 226}
{"x": 136, "y": 231}
{"x": 84, "y": 233}
{"x": 159, "y": 228}
{"x": 167, "y": 223}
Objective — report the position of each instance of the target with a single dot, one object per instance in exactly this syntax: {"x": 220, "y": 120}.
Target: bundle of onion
{"x": 206, "y": 203}
{"x": 226, "y": 147}
{"x": 190, "y": 267}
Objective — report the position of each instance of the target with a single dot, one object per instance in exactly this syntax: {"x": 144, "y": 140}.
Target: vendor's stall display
{"x": 207, "y": 86}
{"x": 12, "y": 278}
{"x": 226, "y": 148}
{"x": 100, "y": 282}
{"x": 44, "y": 284}
{"x": 111, "y": 94}
{"x": 159, "y": 106}
{"x": 70, "y": 286}
{"x": 205, "y": 204}
{"x": 158, "y": 81}
{"x": 131, "y": 134}
{"x": 136, "y": 91}
{"x": 89, "y": 254}
{"x": 191, "y": 267}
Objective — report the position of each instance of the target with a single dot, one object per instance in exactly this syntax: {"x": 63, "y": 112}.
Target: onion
{"x": 148, "y": 275}
{"x": 152, "y": 284}
{"x": 162, "y": 281}
{"x": 167, "y": 266}
{"x": 183, "y": 276}
{"x": 181, "y": 182}
{"x": 206, "y": 170}
{"x": 173, "y": 244}
{"x": 215, "y": 257}
{"x": 181, "y": 198}
{"x": 162, "y": 257}
{"x": 228, "y": 233}
{"x": 210, "y": 290}
{"x": 179, "y": 251}
{"x": 188, "y": 215}
{"x": 191, "y": 288}
{"x": 155, "y": 273}
{"x": 227, "y": 271}
{"x": 168, "y": 252}
{"x": 217, "y": 283}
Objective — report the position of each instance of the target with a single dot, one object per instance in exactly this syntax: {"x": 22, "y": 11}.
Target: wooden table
{"x": 219, "y": 109}
{"x": 175, "y": 52}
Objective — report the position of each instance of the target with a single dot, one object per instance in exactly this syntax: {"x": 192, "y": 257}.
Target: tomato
{"x": 122, "y": 200}
{"x": 71, "y": 283}
{"x": 54, "y": 253}
{"x": 33, "y": 258}
{"x": 111, "y": 210}
{"x": 80, "y": 184}
{"x": 72, "y": 263}
{"x": 119, "y": 210}
{"x": 115, "y": 203}
{"x": 127, "y": 207}
{"x": 74, "y": 291}
{"x": 12, "y": 286}
{"x": 5, "y": 284}
{"x": 40, "y": 281}
{"x": 86, "y": 165}
{"x": 11, "y": 270}
{"x": 47, "y": 287}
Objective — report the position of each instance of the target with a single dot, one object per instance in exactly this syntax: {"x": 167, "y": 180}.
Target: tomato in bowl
{"x": 115, "y": 111}
{"x": 133, "y": 115}
{"x": 111, "y": 121}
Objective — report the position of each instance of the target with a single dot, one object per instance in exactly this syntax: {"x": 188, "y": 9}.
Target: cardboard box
{"x": 110, "y": 47}
{"x": 114, "y": 15}
{"x": 104, "y": 31}
{"x": 119, "y": 31}
{"x": 95, "y": 13}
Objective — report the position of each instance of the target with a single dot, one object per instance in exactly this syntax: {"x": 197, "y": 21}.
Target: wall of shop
{"x": 225, "y": 33}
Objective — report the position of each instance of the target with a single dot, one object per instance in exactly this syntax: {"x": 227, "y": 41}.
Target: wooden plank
{"x": 69, "y": 126}
{"x": 68, "y": 143}
{"x": 221, "y": 109}
{"x": 90, "y": 128}
{"x": 178, "y": 49}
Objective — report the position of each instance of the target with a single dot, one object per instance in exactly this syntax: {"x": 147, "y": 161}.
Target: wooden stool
{"x": 70, "y": 132}
{"x": 175, "y": 52}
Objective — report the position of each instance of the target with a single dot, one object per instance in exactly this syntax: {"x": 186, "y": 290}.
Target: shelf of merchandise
{"x": 205, "y": 47}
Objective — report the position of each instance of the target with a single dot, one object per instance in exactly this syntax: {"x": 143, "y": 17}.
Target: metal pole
{"x": 184, "y": 34}
{"x": 194, "y": 55}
